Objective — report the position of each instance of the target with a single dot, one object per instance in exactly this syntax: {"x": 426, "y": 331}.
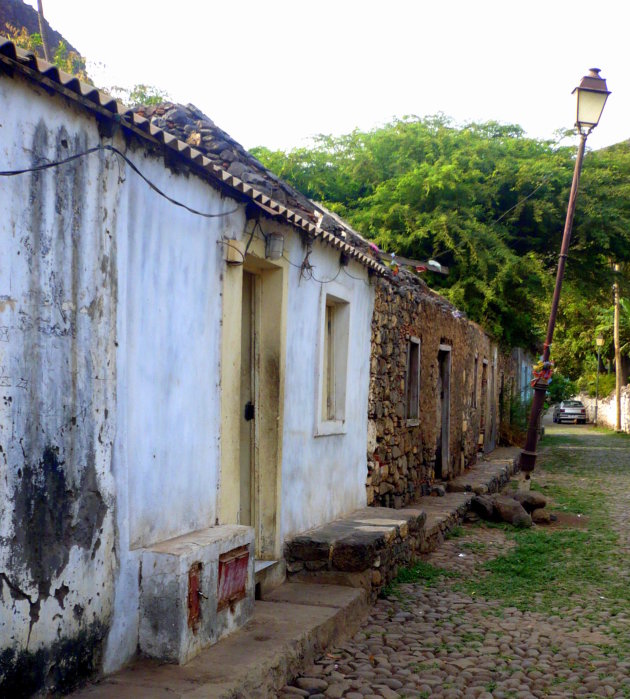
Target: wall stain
{"x": 61, "y": 667}
{"x": 45, "y": 525}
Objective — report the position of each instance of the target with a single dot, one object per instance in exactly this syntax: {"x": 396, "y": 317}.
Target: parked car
{"x": 570, "y": 411}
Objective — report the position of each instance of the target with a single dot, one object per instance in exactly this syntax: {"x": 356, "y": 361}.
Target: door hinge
{"x": 249, "y": 411}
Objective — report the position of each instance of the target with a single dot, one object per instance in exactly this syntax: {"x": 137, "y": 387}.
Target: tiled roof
{"x": 265, "y": 189}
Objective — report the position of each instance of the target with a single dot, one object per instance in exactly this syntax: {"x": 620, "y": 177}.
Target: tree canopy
{"x": 486, "y": 201}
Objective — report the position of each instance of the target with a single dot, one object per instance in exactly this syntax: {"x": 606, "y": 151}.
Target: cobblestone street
{"x": 499, "y": 612}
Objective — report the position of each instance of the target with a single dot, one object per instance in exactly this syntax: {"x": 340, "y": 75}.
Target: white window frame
{"x": 338, "y": 297}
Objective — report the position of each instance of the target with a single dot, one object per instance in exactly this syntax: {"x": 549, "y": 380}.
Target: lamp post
{"x": 600, "y": 343}
{"x": 592, "y": 94}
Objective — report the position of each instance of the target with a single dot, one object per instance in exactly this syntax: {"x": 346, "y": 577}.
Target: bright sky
{"x": 274, "y": 72}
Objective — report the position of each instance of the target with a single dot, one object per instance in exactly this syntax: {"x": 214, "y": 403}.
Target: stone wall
{"x": 402, "y": 450}
{"x": 607, "y": 409}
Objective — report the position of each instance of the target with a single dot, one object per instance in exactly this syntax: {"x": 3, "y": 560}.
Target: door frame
{"x": 445, "y": 424}
{"x": 270, "y": 321}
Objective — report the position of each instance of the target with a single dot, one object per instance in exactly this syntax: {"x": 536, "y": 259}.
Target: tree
{"x": 487, "y": 202}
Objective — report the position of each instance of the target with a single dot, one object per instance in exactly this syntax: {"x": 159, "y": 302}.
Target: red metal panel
{"x": 233, "y": 567}
{"x": 194, "y": 592}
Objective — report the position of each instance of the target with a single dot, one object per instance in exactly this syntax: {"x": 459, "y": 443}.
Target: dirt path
{"x": 503, "y": 613}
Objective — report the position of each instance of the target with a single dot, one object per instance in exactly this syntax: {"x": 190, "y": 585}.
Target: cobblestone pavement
{"x": 438, "y": 638}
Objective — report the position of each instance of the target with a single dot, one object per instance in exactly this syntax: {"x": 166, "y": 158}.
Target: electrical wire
{"x": 113, "y": 149}
{"x": 356, "y": 278}
{"x": 522, "y": 201}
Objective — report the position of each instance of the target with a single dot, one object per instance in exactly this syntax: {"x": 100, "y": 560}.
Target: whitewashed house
{"x": 182, "y": 389}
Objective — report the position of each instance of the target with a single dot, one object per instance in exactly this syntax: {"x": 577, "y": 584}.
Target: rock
{"x": 471, "y": 517}
{"x": 483, "y": 506}
{"x": 480, "y": 489}
{"x": 453, "y": 487}
{"x": 290, "y": 691}
{"x": 530, "y": 499}
{"x": 511, "y": 511}
{"x": 312, "y": 684}
{"x": 541, "y": 516}
{"x": 552, "y": 517}
{"x": 438, "y": 490}
{"x": 237, "y": 169}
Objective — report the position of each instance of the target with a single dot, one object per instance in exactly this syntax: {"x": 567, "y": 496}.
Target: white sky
{"x": 274, "y": 72}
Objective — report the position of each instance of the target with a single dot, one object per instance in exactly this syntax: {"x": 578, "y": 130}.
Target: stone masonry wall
{"x": 402, "y": 451}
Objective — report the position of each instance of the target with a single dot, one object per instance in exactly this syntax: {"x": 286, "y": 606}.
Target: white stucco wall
{"x": 110, "y": 308}
{"x": 167, "y": 450}
{"x": 57, "y": 385}
{"x": 110, "y": 337}
{"x": 607, "y": 409}
{"x": 323, "y": 476}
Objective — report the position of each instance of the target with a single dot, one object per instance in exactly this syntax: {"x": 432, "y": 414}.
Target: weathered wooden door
{"x": 442, "y": 464}
{"x": 247, "y": 510}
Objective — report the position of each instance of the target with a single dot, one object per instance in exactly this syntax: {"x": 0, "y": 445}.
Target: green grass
{"x": 555, "y": 568}
{"x": 419, "y": 572}
{"x": 474, "y": 546}
{"x": 455, "y": 533}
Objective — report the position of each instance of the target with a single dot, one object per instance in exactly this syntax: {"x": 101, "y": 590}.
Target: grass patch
{"x": 548, "y": 568}
{"x": 474, "y": 546}
{"x": 455, "y": 533}
{"x": 419, "y": 572}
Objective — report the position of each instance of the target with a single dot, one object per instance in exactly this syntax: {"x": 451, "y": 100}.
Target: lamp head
{"x": 592, "y": 94}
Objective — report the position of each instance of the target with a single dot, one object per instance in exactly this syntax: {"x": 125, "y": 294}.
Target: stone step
{"x": 360, "y": 550}
{"x": 290, "y": 628}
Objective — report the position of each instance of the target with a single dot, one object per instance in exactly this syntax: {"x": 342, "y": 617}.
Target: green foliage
{"x": 587, "y": 384}
{"x": 488, "y": 203}
{"x": 561, "y": 388}
{"x": 71, "y": 62}
{"x": 139, "y": 94}
{"x": 68, "y": 61}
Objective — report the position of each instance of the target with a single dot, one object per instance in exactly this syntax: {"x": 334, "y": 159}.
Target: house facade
{"x": 178, "y": 381}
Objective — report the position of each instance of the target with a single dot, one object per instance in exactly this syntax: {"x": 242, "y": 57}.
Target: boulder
{"x": 541, "y": 516}
{"x": 530, "y": 499}
{"x": 511, "y": 511}
{"x": 483, "y": 506}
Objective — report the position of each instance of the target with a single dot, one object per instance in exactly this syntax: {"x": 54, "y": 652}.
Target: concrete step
{"x": 290, "y": 628}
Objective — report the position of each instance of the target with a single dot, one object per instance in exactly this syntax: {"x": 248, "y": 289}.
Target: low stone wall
{"x": 364, "y": 549}
{"x": 607, "y": 409}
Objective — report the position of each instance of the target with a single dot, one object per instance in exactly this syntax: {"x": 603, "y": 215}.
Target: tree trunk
{"x": 43, "y": 31}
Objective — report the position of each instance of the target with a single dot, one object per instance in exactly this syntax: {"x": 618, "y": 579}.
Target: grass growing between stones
{"x": 420, "y": 571}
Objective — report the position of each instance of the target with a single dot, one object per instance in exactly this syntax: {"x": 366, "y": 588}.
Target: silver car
{"x": 570, "y": 411}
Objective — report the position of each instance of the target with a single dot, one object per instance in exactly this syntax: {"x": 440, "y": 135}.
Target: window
{"x": 475, "y": 380}
{"x": 412, "y": 381}
{"x": 335, "y": 332}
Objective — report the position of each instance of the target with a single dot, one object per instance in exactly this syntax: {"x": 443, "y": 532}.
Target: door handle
{"x": 249, "y": 411}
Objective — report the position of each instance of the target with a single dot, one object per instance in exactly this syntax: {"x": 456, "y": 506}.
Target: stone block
{"x": 166, "y": 631}
{"x": 307, "y": 548}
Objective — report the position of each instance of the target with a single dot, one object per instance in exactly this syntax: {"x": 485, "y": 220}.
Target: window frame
{"x": 332, "y": 365}
{"x": 414, "y": 346}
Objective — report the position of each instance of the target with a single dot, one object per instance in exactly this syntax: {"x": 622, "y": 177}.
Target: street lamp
{"x": 592, "y": 94}
{"x": 600, "y": 343}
